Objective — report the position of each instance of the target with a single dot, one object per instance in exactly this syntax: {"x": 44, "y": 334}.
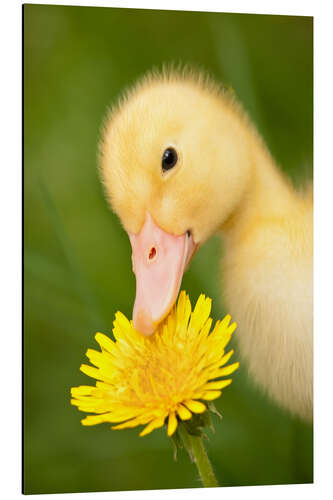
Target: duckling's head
{"x": 175, "y": 164}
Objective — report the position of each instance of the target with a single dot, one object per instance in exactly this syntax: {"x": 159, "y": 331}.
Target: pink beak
{"x": 159, "y": 260}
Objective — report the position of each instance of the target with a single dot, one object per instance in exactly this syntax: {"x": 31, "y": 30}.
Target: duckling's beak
{"x": 159, "y": 260}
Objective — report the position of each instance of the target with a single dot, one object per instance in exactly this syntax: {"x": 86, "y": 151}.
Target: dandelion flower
{"x": 160, "y": 379}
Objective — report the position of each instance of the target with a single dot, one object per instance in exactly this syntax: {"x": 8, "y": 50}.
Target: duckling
{"x": 180, "y": 161}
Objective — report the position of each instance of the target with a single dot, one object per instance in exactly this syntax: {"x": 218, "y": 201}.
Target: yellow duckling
{"x": 181, "y": 161}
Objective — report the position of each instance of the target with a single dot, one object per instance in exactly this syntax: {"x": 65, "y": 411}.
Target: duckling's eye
{"x": 169, "y": 159}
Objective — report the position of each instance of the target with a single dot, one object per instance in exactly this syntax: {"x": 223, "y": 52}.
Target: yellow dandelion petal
{"x": 210, "y": 395}
{"x": 82, "y": 390}
{"x": 154, "y": 424}
{"x": 225, "y": 322}
{"x": 128, "y": 419}
{"x": 228, "y": 370}
{"x": 93, "y": 420}
{"x": 99, "y": 359}
{"x": 172, "y": 424}
{"x": 206, "y": 328}
{"x": 159, "y": 379}
{"x": 184, "y": 412}
{"x": 222, "y": 332}
{"x": 183, "y": 311}
{"x": 170, "y": 326}
{"x": 200, "y": 313}
{"x": 91, "y": 371}
{"x": 219, "y": 384}
{"x": 103, "y": 386}
{"x": 105, "y": 342}
{"x": 226, "y": 358}
{"x": 75, "y": 402}
{"x": 195, "y": 406}
{"x": 119, "y": 326}
{"x": 215, "y": 329}
{"x": 232, "y": 328}
{"x": 224, "y": 340}
{"x": 134, "y": 422}
{"x": 122, "y": 325}
{"x": 88, "y": 408}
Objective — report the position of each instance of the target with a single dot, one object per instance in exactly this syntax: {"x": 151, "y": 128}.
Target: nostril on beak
{"x": 152, "y": 254}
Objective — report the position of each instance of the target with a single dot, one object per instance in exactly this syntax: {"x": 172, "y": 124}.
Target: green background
{"x": 77, "y": 257}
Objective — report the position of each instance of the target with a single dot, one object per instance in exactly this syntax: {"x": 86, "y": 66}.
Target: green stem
{"x": 198, "y": 454}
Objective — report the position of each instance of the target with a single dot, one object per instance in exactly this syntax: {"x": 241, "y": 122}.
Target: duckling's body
{"x": 224, "y": 181}
{"x": 267, "y": 284}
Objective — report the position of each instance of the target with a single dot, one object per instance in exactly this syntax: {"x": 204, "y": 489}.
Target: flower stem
{"x": 198, "y": 454}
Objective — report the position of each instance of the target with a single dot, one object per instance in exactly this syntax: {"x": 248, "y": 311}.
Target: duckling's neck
{"x": 267, "y": 196}
{"x": 267, "y": 283}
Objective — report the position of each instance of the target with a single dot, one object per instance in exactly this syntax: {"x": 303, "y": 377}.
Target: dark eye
{"x": 169, "y": 159}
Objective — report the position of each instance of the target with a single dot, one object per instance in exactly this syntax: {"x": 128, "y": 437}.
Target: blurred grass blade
{"x": 234, "y": 60}
{"x": 82, "y": 287}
